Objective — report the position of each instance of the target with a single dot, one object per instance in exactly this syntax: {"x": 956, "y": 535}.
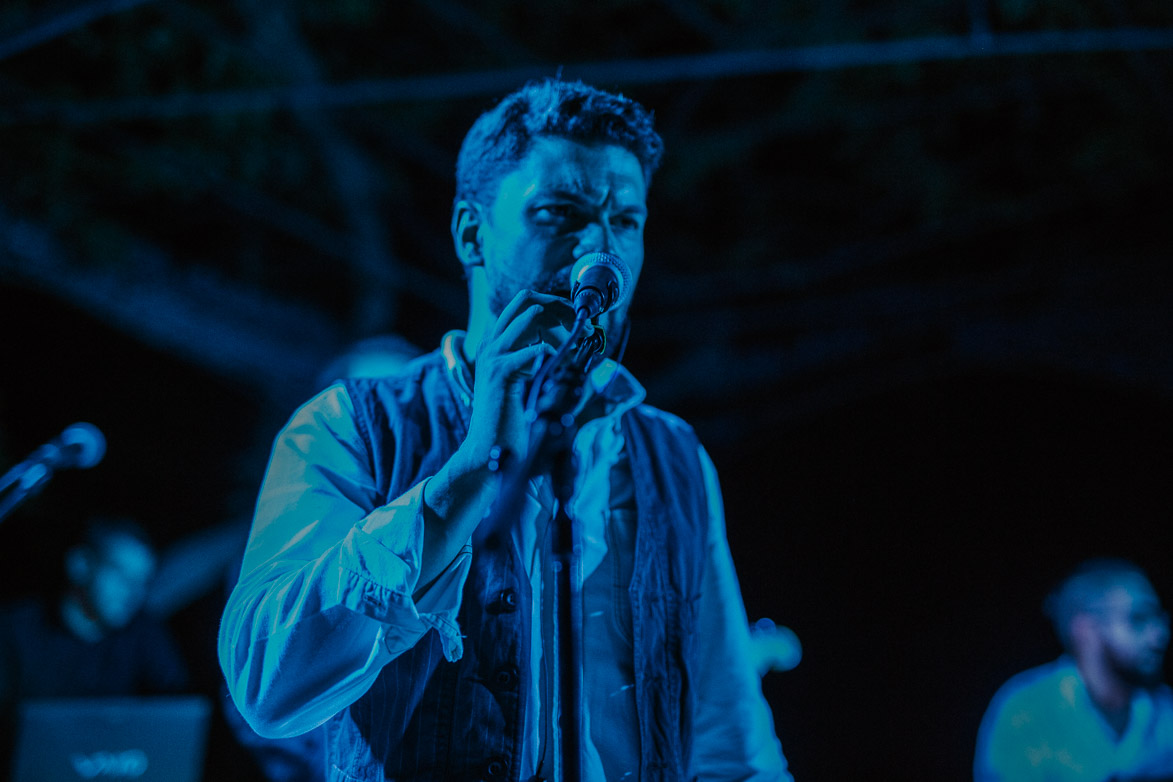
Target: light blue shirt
{"x": 1043, "y": 727}
{"x": 326, "y": 591}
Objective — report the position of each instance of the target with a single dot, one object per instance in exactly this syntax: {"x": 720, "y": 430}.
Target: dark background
{"x": 907, "y": 274}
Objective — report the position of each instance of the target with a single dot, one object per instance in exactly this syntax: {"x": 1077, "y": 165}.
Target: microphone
{"x": 79, "y": 446}
{"x": 599, "y": 282}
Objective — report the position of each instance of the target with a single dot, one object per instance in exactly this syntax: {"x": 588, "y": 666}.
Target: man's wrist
{"x": 452, "y": 503}
{"x": 462, "y": 482}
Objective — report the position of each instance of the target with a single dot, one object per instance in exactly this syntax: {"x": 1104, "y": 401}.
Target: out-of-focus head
{"x": 110, "y": 569}
{"x": 378, "y": 356}
{"x": 501, "y": 137}
{"x": 1107, "y": 610}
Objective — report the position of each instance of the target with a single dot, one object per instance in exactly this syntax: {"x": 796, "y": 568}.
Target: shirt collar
{"x": 609, "y": 380}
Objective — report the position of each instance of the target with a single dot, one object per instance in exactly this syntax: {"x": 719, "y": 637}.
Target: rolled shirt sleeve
{"x": 324, "y": 600}
{"x": 734, "y": 729}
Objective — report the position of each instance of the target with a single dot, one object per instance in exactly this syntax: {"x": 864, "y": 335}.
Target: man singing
{"x": 368, "y": 598}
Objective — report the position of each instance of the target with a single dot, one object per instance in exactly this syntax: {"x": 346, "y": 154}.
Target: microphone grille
{"x": 86, "y": 442}
{"x": 597, "y": 260}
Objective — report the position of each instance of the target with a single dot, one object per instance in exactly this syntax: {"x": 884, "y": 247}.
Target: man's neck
{"x": 480, "y": 319}
{"x": 1111, "y": 696}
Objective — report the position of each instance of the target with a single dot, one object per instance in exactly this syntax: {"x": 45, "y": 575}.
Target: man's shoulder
{"x": 26, "y": 622}
{"x": 413, "y": 373}
{"x": 23, "y": 612}
{"x": 1041, "y": 676}
{"x": 669, "y": 422}
{"x": 419, "y": 381}
{"x": 1053, "y": 684}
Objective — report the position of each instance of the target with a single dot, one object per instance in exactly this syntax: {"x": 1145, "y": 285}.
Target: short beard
{"x": 1136, "y": 677}
{"x": 557, "y": 284}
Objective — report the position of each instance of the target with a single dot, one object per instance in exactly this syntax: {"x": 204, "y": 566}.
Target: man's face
{"x": 564, "y": 200}
{"x": 1134, "y": 629}
{"x": 119, "y": 575}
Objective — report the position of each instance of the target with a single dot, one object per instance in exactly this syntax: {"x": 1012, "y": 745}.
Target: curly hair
{"x": 501, "y": 136}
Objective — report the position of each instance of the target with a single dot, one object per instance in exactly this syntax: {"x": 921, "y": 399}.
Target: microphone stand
{"x": 555, "y": 394}
{"x": 80, "y": 445}
{"x": 23, "y": 481}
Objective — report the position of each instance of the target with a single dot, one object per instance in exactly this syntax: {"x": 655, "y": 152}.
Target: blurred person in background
{"x": 1101, "y": 711}
{"x": 90, "y": 637}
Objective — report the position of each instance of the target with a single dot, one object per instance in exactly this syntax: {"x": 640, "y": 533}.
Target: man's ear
{"x": 466, "y": 233}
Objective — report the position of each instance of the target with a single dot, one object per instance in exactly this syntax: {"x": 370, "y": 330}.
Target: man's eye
{"x": 556, "y": 212}
{"x": 625, "y": 222}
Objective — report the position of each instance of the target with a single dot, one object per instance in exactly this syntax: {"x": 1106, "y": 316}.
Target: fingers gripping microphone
{"x": 599, "y": 282}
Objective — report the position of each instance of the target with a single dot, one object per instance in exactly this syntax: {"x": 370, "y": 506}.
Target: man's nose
{"x": 595, "y": 237}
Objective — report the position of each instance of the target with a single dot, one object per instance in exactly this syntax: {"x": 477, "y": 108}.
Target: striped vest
{"x": 425, "y": 718}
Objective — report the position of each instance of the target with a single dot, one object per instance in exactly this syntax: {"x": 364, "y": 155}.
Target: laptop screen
{"x": 155, "y": 739}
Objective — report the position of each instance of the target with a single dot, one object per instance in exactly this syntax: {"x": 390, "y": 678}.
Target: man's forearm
{"x": 272, "y": 650}
{"x": 455, "y": 501}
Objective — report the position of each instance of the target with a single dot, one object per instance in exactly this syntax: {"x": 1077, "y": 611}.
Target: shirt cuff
{"x": 387, "y": 547}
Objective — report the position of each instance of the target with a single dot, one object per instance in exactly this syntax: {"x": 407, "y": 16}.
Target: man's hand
{"x": 529, "y": 329}
{"x": 460, "y": 494}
